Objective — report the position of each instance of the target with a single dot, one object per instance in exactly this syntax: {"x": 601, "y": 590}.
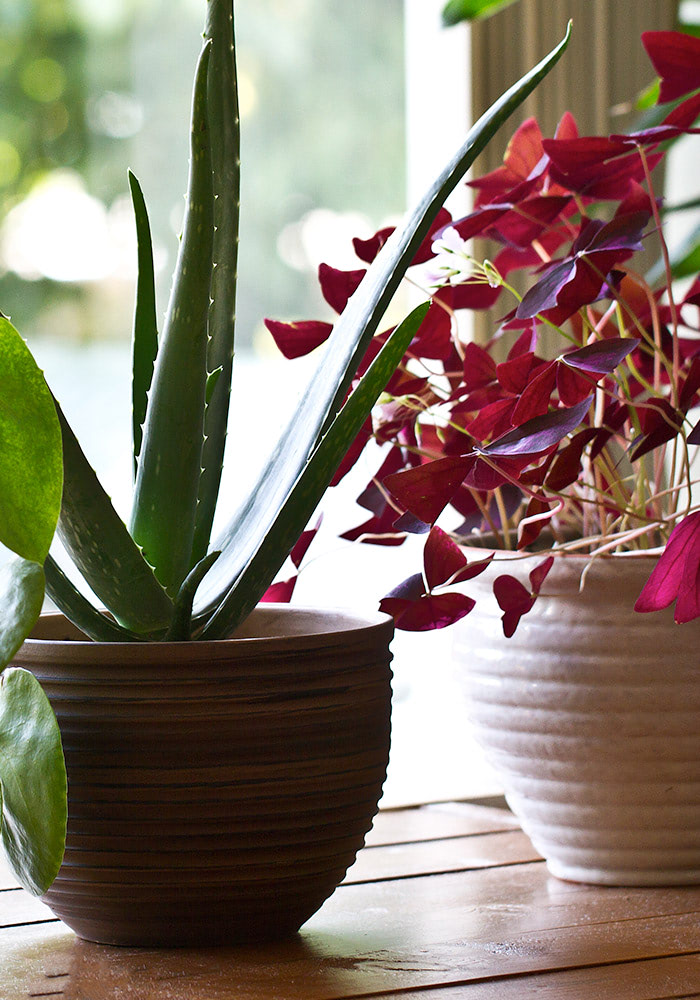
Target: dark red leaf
{"x": 676, "y": 576}
{"x": 279, "y": 593}
{"x": 539, "y": 574}
{"x": 479, "y": 367}
{"x": 514, "y": 600}
{"x": 432, "y": 611}
{"x": 297, "y": 339}
{"x": 529, "y": 532}
{"x": 471, "y": 294}
{"x": 433, "y": 339}
{"x": 515, "y": 373}
{"x": 472, "y": 570}
{"x": 493, "y": 420}
{"x": 426, "y": 491}
{"x": 367, "y": 250}
{"x": 676, "y": 59}
{"x": 567, "y": 465}
{"x": 660, "y": 423}
{"x": 572, "y": 387}
{"x": 425, "y": 250}
{"x": 337, "y": 286}
{"x": 306, "y": 538}
{"x": 442, "y": 558}
{"x": 536, "y": 396}
{"x": 353, "y": 452}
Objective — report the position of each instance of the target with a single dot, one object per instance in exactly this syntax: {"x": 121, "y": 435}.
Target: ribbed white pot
{"x": 590, "y": 714}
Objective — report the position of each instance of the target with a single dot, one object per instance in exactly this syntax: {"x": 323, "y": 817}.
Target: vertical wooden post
{"x": 604, "y": 66}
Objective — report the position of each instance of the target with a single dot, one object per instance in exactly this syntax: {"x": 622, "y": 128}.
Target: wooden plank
{"x": 409, "y": 934}
{"x": 434, "y": 857}
{"x": 19, "y": 907}
{"x": 438, "y": 821}
{"x": 7, "y": 878}
{"x": 306, "y": 970}
{"x": 655, "y": 979}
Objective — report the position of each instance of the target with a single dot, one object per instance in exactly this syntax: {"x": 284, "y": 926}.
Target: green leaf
{"x": 471, "y": 10}
{"x": 313, "y": 482}
{"x": 30, "y": 451}
{"x": 145, "y": 337}
{"x": 32, "y": 781}
{"x": 181, "y": 626}
{"x": 103, "y": 550}
{"x": 346, "y": 346}
{"x": 222, "y": 110}
{"x": 80, "y": 611}
{"x": 684, "y": 258}
{"x": 169, "y": 470}
{"x": 21, "y": 599}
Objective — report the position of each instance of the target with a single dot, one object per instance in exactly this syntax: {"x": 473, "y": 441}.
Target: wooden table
{"x": 446, "y": 901}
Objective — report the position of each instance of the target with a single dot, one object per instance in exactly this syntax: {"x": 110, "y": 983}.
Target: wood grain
{"x": 402, "y": 926}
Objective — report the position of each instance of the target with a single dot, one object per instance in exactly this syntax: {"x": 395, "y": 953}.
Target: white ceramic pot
{"x": 590, "y": 714}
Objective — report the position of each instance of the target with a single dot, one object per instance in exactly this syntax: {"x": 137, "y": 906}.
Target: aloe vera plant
{"x": 162, "y": 578}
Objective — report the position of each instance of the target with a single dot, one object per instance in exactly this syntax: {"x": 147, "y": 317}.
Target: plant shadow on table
{"x": 100, "y": 972}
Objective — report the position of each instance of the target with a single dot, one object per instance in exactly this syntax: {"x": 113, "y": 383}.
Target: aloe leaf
{"x": 103, "y": 550}
{"x": 145, "y": 338}
{"x": 472, "y": 10}
{"x": 181, "y": 626}
{"x": 307, "y": 492}
{"x": 167, "y": 481}
{"x": 222, "y": 109}
{"x": 32, "y": 782}
{"x": 344, "y": 349}
{"x": 76, "y": 607}
{"x": 30, "y": 451}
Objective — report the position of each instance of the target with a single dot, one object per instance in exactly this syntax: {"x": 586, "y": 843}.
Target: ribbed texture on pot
{"x": 217, "y": 791}
{"x": 590, "y": 714}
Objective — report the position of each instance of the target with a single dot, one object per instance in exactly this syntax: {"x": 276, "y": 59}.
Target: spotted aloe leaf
{"x": 145, "y": 338}
{"x": 223, "y": 117}
{"x": 245, "y": 534}
{"x": 293, "y": 515}
{"x": 168, "y": 477}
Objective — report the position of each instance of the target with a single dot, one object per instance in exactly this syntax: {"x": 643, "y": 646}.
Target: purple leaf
{"x": 540, "y": 433}
{"x": 601, "y": 357}
{"x": 409, "y": 589}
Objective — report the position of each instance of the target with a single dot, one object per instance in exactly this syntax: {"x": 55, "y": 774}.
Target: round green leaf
{"x": 32, "y": 781}
{"x": 31, "y": 476}
{"x": 21, "y": 597}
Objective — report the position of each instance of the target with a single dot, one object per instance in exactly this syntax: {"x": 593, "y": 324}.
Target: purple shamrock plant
{"x": 572, "y": 428}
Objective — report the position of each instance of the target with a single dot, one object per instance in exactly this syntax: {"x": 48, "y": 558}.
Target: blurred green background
{"x": 89, "y": 89}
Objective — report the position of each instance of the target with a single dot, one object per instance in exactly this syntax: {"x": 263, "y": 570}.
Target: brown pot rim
{"x": 342, "y": 623}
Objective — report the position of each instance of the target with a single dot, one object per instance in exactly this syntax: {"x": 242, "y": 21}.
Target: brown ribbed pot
{"x": 218, "y": 791}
